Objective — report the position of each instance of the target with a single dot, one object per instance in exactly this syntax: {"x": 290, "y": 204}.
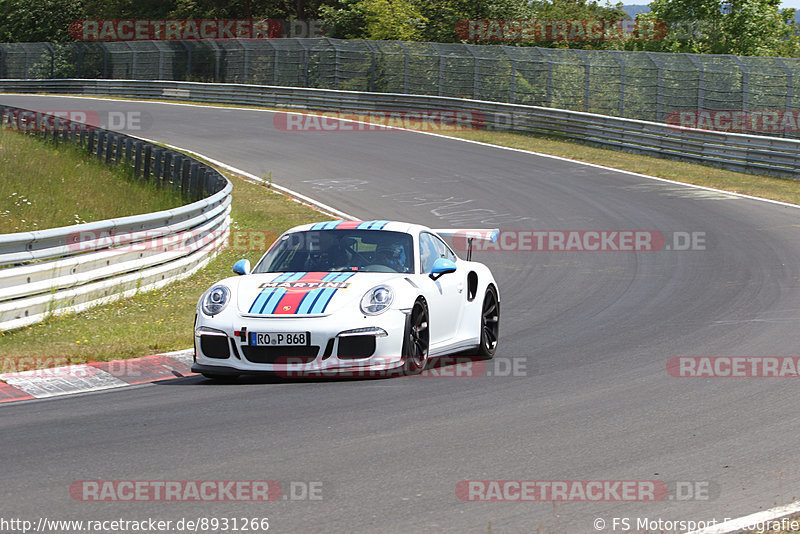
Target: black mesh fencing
{"x": 747, "y": 94}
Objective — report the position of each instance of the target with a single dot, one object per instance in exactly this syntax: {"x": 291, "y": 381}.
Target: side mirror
{"x": 242, "y": 267}
{"x": 441, "y": 267}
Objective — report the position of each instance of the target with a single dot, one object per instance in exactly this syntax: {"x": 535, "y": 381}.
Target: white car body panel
{"x": 326, "y": 304}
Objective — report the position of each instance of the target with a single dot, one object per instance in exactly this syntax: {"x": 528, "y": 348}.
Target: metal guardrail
{"x": 737, "y": 152}
{"x": 72, "y": 268}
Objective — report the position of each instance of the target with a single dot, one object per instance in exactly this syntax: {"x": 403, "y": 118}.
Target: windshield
{"x": 340, "y": 250}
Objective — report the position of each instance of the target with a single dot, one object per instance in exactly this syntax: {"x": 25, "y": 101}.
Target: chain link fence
{"x": 757, "y": 95}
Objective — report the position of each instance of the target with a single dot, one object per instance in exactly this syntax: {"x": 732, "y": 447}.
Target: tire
{"x": 490, "y": 324}
{"x": 416, "y": 339}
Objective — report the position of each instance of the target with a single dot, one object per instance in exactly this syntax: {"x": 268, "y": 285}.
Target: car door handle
{"x": 460, "y": 287}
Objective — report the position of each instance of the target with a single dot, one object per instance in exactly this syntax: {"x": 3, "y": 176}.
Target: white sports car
{"x": 349, "y": 295}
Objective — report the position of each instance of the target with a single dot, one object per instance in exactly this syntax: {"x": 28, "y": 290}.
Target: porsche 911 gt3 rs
{"x": 345, "y": 295}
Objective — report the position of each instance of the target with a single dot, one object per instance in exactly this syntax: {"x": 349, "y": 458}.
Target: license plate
{"x": 279, "y": 339}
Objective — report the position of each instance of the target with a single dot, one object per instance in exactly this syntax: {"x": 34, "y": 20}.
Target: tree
{"x": 444, "y": 16}
{"x": 38, "y": 20}
{"x": 741, "y": 27}
{"x": 400, "y": 20}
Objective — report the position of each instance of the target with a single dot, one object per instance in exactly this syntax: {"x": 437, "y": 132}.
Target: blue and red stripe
{"x": 292, "y": 301}
{"x": 349, "y": 225}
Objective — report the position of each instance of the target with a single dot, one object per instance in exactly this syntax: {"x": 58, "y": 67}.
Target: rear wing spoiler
{"x": 462, "y": 238}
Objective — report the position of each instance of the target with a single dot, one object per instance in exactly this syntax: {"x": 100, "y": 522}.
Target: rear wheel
{"x": 417, "y": 336}
{"x": 490, "y": 324}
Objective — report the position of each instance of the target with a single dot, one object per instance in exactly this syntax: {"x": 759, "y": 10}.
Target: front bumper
{"x": 222, "y": 347}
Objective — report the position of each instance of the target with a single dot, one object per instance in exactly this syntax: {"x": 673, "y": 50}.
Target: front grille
{"x": 356, "y": 347}
{"x": 282, "y": 355}
{"x": 215, "y": 346}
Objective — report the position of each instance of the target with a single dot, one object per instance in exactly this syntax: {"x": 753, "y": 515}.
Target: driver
{"x": 392, "y": 255}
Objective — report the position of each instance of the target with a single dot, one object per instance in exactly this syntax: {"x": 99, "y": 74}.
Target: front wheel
{"x": 415, "y": 342}
{"x": 490, "y": 324}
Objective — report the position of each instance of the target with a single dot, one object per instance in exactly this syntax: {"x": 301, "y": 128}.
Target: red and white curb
{"x": 95, "y": 376}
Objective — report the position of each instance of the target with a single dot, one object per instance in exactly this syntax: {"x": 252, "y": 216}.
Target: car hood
{"x": 282, "y": 294}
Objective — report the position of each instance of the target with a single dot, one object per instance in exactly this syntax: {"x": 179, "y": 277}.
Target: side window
{"x": 427, "y": 252}
{"x": 442, "y": 250}
{"x": 431, "y": 248}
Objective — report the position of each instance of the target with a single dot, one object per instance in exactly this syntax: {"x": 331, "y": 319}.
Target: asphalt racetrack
{"x": 579, "y": 390}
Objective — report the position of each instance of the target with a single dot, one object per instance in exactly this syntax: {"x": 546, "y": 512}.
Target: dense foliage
{"x": 745, "y": 27}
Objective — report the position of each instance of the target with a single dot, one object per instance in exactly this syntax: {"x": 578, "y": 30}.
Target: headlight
{"x": 377, "y": 300}
{"x": 215, "y": 300}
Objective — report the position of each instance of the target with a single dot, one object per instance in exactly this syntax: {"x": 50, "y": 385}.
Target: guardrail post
{"x": 118, "y": 157}
{"x": 193, "y": 179}
{"x": 90, "y": 141}
{"x": 185, "y": 176}
{"x": 175, "y": 176}
{"x": 56, "y": 129}
{"x": 129, "y": 150}
{"x": 205, "y": 183}
{"x": 100, "y": 139}
{"x": 111, "y": 141}
{"x": 137, "y": 159}
{"x": 157, "y": 164}
{"x": 148, "y": 150}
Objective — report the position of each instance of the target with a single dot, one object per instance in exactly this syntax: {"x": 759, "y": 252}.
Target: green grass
{"x": 160, "y": 320}
{"x": 43, "y": 185}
